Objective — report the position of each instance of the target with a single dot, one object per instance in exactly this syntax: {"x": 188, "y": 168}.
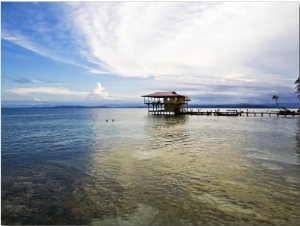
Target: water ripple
{"x": 65, "y": 166}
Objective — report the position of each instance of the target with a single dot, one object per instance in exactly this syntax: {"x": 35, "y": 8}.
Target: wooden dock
{"x": 231, "y": 113}
{"x": 242, "y": 113}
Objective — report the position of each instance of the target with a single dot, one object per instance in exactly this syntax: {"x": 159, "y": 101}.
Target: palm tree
{"x": 275, "y": 97}
{"x": 297, "y": 87}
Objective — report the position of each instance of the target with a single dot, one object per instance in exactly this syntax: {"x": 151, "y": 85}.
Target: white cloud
{"x": 98, "y": 92}
{"x": 50, "y": 50}
{"x": 35, "y": 99}
{"x": 28, "y": 43}
{"x": 47, "y": 90}
{"x": 213, "y": 38}
{"x": 179, "y": 44}
{"x": 139, "y": 39}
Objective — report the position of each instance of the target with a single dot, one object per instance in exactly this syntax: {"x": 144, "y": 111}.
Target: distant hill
{"x": 77, "y": 106}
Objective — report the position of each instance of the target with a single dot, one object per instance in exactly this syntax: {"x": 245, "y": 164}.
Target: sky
{"x": 100, "y": 53}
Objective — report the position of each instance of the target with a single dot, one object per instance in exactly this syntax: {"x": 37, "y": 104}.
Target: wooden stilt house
{"x": 166, "y": 103}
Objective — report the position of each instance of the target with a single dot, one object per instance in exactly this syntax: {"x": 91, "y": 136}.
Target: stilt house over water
{"x": 166, "y": 103}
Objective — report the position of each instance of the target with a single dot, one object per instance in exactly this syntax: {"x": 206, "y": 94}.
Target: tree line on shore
{"x": 276, "y": 97}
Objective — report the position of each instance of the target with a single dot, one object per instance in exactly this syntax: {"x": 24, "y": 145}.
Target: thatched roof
{"x": 163, "y": 94}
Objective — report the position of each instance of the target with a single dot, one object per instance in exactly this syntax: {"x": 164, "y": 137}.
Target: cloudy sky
{"x": 114, "y": 52}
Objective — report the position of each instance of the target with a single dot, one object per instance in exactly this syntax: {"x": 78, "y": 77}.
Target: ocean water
{"x": 71, "y": 166}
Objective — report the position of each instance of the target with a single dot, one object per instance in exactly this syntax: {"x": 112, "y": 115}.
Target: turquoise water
{"x": 71, "y": 166}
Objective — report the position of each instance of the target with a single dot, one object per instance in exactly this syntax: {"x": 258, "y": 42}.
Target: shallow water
{"x": 70, "y": 166}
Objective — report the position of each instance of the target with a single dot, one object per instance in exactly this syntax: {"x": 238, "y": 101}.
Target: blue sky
{"x": 95, "y": 53}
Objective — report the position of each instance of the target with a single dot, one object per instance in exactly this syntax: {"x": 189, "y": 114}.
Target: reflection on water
{"x": 159, "y": 170}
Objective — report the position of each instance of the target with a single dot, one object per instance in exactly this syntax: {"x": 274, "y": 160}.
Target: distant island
{"x": 73, "y": 106}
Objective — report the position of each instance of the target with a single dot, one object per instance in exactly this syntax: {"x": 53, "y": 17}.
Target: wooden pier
{"x": 230, "y": 113}
{"x": 242, "y": 113}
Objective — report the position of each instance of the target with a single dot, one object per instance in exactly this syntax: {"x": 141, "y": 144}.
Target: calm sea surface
{"x": 70, "y": 166}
